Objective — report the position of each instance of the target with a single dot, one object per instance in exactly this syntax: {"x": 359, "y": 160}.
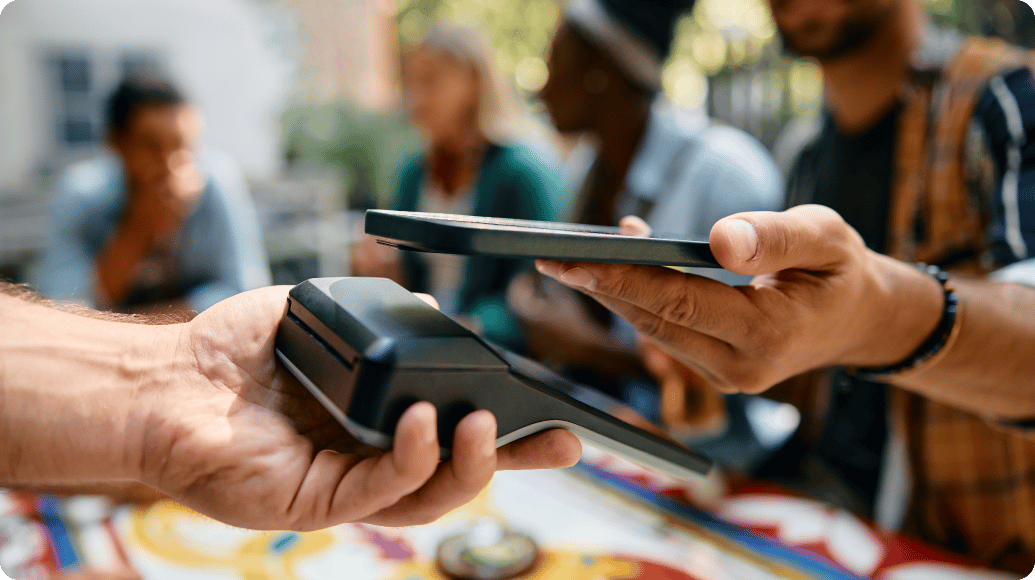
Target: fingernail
{"x": 426, "y": 418}
{"x": 546, "y": 268}
{"x": 578, "y": 277}
{"x": 486, "y": 422}
{"x": 489, "y": 448}
{"x": 743, "y": 239}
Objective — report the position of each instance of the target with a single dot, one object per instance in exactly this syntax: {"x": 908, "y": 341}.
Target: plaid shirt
{"x": 973, "y": 479}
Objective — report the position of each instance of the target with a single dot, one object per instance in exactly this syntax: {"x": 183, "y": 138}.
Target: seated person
{"x": 677, "y": 171}
{"x": 158, "y": 226}
{"x": 471, "y": 121}
{"x": 681, "y": 173}
{"x": 915, "y": 385}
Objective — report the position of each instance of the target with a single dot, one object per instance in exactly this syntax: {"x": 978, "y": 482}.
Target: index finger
{"x": 685, "y": 300}
{"x": 551, "y": 449}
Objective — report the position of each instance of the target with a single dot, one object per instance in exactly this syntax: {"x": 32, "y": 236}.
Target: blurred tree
{"x": 1011, "y": 20}
{"x": 520, "y": 29}
{"x": 366, "y": 147}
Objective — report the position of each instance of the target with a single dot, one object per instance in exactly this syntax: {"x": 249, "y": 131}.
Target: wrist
{"x": 909, "y": 305}
{"x": 163, "y": 365}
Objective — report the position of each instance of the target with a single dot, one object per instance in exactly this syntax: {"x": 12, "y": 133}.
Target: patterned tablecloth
{"x": 605, "y": 519}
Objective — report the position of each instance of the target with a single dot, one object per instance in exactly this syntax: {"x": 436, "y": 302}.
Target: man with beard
{"x": 922, "y": 150}
{"x": 921, "y": 412}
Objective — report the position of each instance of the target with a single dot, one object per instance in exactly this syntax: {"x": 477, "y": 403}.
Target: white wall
{"x": 227, "y": 55}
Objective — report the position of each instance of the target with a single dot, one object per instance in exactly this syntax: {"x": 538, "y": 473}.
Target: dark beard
{"x": 853, "y": 35}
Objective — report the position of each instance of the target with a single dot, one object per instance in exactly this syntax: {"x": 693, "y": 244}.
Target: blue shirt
{"x": 220, "y": 251}
{"x": 689, "y": 173}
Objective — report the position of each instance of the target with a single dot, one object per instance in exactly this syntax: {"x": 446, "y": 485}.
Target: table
{"x": 605, "y": 519}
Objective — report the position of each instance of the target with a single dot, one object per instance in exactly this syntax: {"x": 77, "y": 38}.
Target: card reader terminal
{"x": 367, "y": 349}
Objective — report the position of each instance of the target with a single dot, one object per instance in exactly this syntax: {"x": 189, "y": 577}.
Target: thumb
{"x": 634, "y": 226}
{"x": 806, "y": 237}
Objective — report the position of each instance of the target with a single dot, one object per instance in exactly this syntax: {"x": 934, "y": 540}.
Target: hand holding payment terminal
{"x": 367, "y": 349}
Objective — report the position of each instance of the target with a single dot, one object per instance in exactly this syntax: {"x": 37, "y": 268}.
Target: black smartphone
{"x": 510, "y": 238}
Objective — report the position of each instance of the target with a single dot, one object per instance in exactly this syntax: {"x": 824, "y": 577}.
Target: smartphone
{"x": 511, "y": 238}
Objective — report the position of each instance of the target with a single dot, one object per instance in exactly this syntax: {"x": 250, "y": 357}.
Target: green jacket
{"x": 513, "y": 183}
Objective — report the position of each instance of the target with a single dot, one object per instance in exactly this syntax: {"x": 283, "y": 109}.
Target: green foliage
{"x": 520, "y": 29}
{"x": 356, "y": 142}
{"x": 1008, "y": 19}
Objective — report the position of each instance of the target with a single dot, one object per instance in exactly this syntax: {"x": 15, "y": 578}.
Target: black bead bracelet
{"x": 934, "y": 343}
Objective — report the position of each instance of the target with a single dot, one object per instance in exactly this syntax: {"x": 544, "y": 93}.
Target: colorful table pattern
{"x": 605, "y": 519}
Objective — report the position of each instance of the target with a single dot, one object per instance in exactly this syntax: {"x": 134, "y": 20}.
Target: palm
{"x": 249, "y": 446}
{"x": 241, "y": 432}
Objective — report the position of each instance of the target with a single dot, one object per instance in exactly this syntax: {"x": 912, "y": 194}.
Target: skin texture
{"x": 820, "y": 298}
{"x": 156, "y": 150}
{"x": 203, "y": 413}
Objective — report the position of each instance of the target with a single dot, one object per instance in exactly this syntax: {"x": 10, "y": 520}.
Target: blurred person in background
{"x": 920, "y": 411}
{"x": 157, "y": 225}
{"x": 474, "y": 163}
{"x": 678, "y": 171}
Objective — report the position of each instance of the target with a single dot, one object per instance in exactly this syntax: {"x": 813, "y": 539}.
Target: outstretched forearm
{"x": 203, "y": 413}
{"x": 989, "y": 367}
{"x": 68, "y": 384}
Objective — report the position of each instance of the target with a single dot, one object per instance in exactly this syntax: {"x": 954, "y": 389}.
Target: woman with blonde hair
{"x": 473, "y": 162}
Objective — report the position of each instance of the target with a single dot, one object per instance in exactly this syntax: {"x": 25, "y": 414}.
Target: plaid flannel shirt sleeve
{"x": 974, "y": 489}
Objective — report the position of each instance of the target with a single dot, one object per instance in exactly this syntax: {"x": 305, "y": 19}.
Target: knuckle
{"x": 468, "y": 478}
{"x": 770, "y": 348}
{"x": 725, "y": 388}
{"x": 651, "y": 326}
{"x": 836, "y": 230}
{"x": 426, "y": 516}
{"x": 412, "y": 474}
{"x": 779, "y": 241}
{"x": 615, "y": 283}
{"x": 297, "y": 520}
{"x": 737, "y": 376}
{"x": 682, "y": 310}
{"x": 303, "y": 525}
{"x": 745, "y": 378}
{"x": 822, "y": 214}
{"x": 469, "y": 487}
{"x": 669, "y": 333}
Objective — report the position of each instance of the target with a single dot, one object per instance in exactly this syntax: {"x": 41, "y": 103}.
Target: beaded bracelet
{"x": 934, "y": 343}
